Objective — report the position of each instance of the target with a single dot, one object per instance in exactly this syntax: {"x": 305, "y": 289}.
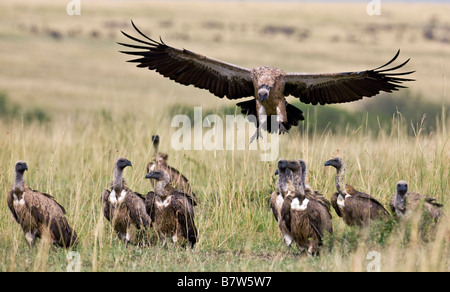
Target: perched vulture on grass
{"x": 179, "y": 181}
{"x": 267, "y": 85}
{"x": 38, "y": 213}
{"x": 356, "y": 208}
{"x": 308, "y": 218}
{"x": 171, "y": 211}
{"x": 125, "y": 209}
{"x": 402, "y": 203}
{"x": 285, "y": 179}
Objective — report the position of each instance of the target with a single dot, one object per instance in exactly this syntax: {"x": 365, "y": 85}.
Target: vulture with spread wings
{"x": 269, "y": 86}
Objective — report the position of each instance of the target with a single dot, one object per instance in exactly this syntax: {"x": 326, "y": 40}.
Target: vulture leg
{"x": 31, "y": 237}
{"x": 282, "y": 128}
{"x": 125, "y": 237}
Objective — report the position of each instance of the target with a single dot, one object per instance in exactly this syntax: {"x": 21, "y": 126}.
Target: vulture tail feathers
{"x": 294, "y": 114}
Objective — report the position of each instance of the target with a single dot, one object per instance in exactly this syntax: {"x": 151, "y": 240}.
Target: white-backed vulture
{"x": 307, "y": 218}
{"x": 171, "y": 211}
{"x": 38, "y": 213}
{"x": 269, "y": 86}
{"x": 355, "y": 208}
{"x": 178, "y": 180}
{"x": 277, "y": 198}
{"x": 402, "y": 202}
{"x": 125, "y": 209}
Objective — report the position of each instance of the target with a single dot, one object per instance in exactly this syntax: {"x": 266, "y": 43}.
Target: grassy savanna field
{"x": 71, "y": 106}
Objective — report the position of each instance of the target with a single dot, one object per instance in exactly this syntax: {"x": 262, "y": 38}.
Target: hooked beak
{"x": 263, "y": 93}
{"x": 282, "y": 164}
{"x": 293, "y": 165}
{"x": 276, "y": 172}
{"x": 328, "y": 163}
{"x": 154, "y": 175}
{"x": 402, "y": 188}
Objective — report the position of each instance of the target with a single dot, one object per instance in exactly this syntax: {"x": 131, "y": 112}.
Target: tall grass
{"x": 73, "y": 160}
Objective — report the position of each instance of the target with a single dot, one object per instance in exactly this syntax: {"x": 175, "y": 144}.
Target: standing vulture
{"x": 277, "y": 198}
{"x": 356, "y": 208}
{"x": 402, "y": 203}
{"x": 267, "y": 85}
{"x": 307, "y": 218}
{"x": 178, "y": 180}
{"x": 172, "y": 211}
{"x": 124, "y": 208}
{"x": 38, "y": 213}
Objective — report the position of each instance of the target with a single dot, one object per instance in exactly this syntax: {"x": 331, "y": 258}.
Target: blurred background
{"x": 56, "y": 65}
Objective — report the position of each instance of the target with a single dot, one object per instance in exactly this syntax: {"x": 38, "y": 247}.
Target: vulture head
{"x": 402, "y": 187}
{"x": 21, "y": 166}
{"x": 263, "y": 92}
{"x": 159, "y": 175}
{"x": 122, "y": 163}
{"x": 155, "y": 139}
{"x": 337, "y": 163}
{"x": 282, "y": 165}
{"x": 294, "y": 165}
{"x": 284, "y": 176}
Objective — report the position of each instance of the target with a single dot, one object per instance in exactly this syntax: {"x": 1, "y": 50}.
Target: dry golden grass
{"x": 102, "y": 107}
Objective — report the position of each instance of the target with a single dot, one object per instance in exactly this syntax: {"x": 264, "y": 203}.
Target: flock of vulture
{"x": 303, "y": 214}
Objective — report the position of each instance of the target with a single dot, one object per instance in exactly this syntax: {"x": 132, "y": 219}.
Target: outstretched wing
{"x": 188, "y": 68}
{"x": 345, "y": 87}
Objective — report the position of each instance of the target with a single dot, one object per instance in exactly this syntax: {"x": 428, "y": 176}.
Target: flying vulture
{"x": 125, "y": 209}
{"x": 38, "y": 213}
{"x": 355, "y": 208}
{"x": 402, "y": 203}
{"x": 171, "y": 211}
{"x": 307, "y": 217}
{"x": 178, "y": 180}
{"x": 269, "y": 86}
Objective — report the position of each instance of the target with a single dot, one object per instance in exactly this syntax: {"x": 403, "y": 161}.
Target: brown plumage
{"x": 38, "y": 213}
{"x": 125, "y": 209}
{"x": 402, "y": 203}
{"x": 171, "y": 211}
{"x": 355, "y": 208}
{"x": 178, "y": 180}
{"x": 307, "y": 218}
{"x": 267, "y": 85}
{"x": 277, "y": 199}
